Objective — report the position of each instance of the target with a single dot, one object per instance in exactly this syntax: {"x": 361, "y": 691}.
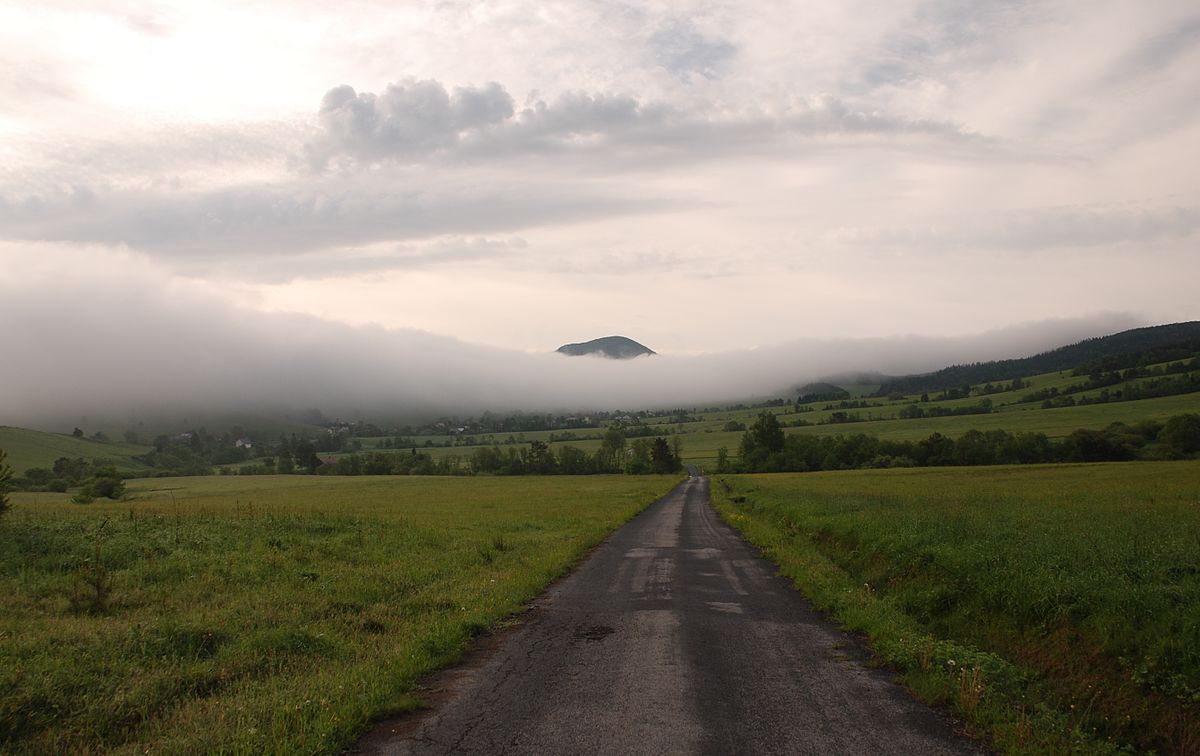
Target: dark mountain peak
{"x": 614, "y": 347}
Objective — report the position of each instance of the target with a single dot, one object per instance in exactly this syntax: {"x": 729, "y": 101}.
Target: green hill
{"x": 1120, "y": 350}
{"x": 31, "y": 448}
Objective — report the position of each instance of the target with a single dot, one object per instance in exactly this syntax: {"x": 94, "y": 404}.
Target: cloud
{"x": 370, "y": 258}
{"x": 1037, "y": 230}
{"x": 414, "y": 121}
{"x": 152, "y": 342}
{"x": 680, "y": 48}
{"x": 416, "y": 162}
{"x": 1151, "y": 55}
{"x": 26, "y": 86}
{"x": 272, "y": 221}
{"x": 409, "y": 117}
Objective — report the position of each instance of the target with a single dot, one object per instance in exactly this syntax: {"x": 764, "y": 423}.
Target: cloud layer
{"x": 153, "y": 342}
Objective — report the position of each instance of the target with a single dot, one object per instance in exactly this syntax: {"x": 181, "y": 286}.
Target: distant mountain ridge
{"x": 1167, "y": 342}
{"x": 613, "y": 347}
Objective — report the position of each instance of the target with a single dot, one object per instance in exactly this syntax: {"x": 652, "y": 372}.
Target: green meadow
{"x": 268, "y": 613}
{"x": 31, "y": 448}
{"x": 1056, "y": 607}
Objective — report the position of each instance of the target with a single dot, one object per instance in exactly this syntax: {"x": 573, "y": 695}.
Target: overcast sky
{"x": 700, "y": 176}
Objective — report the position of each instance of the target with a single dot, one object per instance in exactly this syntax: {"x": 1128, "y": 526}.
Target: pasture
{"x": 1055, "y": 606}
{"x": 31, "y": 448}
{"x": 272, "y": 613}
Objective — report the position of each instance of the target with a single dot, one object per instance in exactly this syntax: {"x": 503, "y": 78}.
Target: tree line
{"x": 639, "y": 456}
{"x": 765, "y": 447}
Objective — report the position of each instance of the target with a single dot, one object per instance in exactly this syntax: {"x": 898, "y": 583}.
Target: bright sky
{"x": 700, "y": 176}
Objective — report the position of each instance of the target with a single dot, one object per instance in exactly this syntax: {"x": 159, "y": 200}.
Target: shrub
{"x": 5, "y": 481}
{"x": 1180, "y": 436}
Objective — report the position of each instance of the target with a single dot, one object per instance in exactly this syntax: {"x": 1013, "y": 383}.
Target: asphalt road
{"x": 673, "y": 637}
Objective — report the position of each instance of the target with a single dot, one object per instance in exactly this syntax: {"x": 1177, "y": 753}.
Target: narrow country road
{"x": 674, "y": 637}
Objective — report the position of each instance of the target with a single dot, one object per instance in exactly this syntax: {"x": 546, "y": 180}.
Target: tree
{"x": 766, "y": 433}
{"x": 306, "y": 456}
{"x": 285, "y": 465}
{"x": 608, "y": 458}
{"x": 573, "y": 461}
{"x": 1180, "y": 436}
{"x": 639, "y": 457}
{"x": 762, "y": 443}
{"x": 77, "y": 433}
{"x": 723, "y": 459}
{"x": 5, "y": 481}
{"x": 539, "y": 460}
{"x": 662, "y": 458}
{"x": 935, "y": 451}
{"x": 106, "y": 482}
{"x": 71, "y": 470}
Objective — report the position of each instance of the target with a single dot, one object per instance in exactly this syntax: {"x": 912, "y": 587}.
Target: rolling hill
{"x": 31, "y": 448}
{"x": 1153, "y": 344}
{"x": 613, "y": 347}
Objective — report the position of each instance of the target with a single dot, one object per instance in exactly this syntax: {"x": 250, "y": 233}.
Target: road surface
{"x": 673, "y": 637}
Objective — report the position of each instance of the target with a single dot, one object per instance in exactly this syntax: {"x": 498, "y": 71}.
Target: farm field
{"x": 1054, "y": 605}
{"x": 701, "y": 440}
{"x": 1028, "y": 418}
{"x": 268, "y": 613}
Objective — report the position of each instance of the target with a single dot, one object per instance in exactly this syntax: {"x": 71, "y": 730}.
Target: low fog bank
{"x": 123, "y": 341}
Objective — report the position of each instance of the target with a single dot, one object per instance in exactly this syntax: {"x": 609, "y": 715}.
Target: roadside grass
{"x": 268, "y": 614}
{"x": 1056, "y": 607}
{"x": 31, "y": 448}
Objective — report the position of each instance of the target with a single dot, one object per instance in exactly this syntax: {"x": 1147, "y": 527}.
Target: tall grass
{"x": 274, "y": 614}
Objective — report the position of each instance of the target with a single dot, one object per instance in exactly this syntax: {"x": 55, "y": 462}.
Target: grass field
{"x": 268, "y": 614}
{"x": 1055, "y": 423}
{"x": 1058, "y": 607}
{"x": 31, "y": 448}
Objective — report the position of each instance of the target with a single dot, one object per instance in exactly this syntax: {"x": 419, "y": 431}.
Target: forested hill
{"x": 1126, "y": 349}
{"x": 615, "y": 347}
